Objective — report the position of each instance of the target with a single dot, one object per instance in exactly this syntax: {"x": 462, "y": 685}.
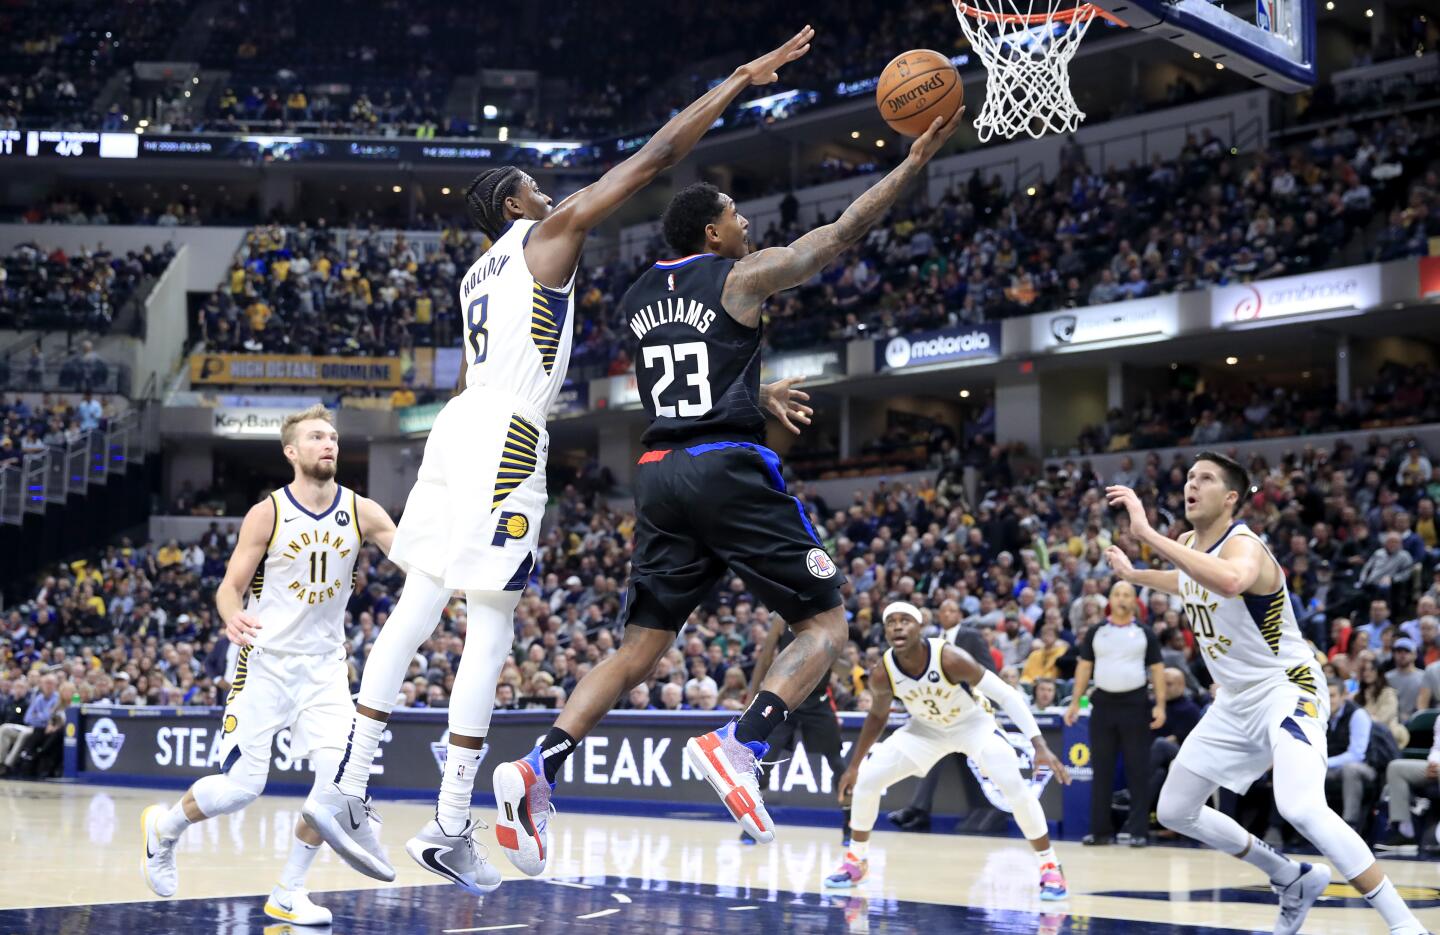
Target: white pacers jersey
{"x": 301, "y": 590}
{"x": 517, "y": 332}
{"x": 1249, "y": 639}
{"x": 932, "y": 698}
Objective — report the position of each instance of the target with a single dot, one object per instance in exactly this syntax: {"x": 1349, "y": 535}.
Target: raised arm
{"x": 1240, "y": 565}
{"x": 1167, "y": 581}
{"x": 766, "y": 272}
{"x": 882, "y": 696}
{"x": 250, "y": 545}
{"x": 554, "y": 247}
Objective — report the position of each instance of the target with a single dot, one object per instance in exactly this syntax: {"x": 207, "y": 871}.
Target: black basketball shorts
{"x": 704, "y": 508}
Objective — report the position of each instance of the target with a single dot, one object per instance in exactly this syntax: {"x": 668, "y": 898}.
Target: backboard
{"x": 1276, "y": 48}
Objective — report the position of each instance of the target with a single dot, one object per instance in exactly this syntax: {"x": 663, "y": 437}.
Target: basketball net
{"x": 1026, "y": 47}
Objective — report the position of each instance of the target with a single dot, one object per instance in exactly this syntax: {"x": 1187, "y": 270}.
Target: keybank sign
{"x": 938, "y": 347}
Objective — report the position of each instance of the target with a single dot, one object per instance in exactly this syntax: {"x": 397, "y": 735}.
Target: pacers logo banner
{"x": 295, "y": 370}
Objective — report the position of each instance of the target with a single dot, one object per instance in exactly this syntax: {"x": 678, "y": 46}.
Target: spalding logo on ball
{"x": 917, "y": 87}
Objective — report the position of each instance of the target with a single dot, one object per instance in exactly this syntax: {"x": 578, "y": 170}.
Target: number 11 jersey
{"x": 696, "y": 367}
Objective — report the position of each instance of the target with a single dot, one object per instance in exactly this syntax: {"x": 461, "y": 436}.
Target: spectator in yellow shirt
{"x": 169, "y": 554}
{"x": 322, "y": 267}
{"x": 237, "y": 279}
{"x": 424, "y": 309}
{"x": 1042, "y": 659}
{"x": 402, "y": 397}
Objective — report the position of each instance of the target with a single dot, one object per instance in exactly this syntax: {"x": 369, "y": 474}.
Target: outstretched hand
{"x": 928, "y": 143}
{"x": 766, "y": 69}
{"x": 787, "y": 404}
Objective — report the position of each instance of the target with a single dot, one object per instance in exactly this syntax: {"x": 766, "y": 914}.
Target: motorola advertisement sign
{"x": 633, "y": 761}
{"x": 947, "y": 345}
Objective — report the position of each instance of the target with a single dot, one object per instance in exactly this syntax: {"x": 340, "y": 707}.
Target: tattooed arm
{"x": 766, "y": 272}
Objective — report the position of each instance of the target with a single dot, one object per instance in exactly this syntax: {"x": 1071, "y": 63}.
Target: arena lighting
{"x": 1174, "y": 366}
{"x": 1232, "y": 361}
{"x": 1027, "y": 366}
{"x": 854, "y": 134}
{"x": 1030, "y": 191}
{"x": 964, "y": 394}
{"x": 1369, "y": 14}
{"x": 397, "y": 189}
{"x": 1330, "y": 4}
{"x": 490, "y": 111}
{"x": 504, "y": 134}
{"x": 879, "y": 144}
{"x": 445, "y": 190}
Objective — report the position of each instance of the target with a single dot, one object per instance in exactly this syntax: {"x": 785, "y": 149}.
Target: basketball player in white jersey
{"x": 1272, "y": 707}
{"x": 944, "y": 690}
{"x": 472, "y": 521}
{"x": 294, "y": 560}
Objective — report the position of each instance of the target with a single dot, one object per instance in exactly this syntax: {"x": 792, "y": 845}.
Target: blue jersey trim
{"x": 683, "y": 261}
{"x": 316, "y": 516}
{"x": 772, "y": 466}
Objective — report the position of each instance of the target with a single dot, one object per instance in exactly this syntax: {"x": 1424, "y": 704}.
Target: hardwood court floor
{"x": 71, "y": 863}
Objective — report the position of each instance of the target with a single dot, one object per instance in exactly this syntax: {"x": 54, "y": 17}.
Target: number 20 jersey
{"x": 301, "y": 590}
{"x": 517, "y": 331}
{"x": 1252, "y": 638}
{"x": 696, "y": 367}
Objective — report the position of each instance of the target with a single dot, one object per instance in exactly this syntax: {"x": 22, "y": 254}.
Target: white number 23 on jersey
{"x": 668, "y": 356}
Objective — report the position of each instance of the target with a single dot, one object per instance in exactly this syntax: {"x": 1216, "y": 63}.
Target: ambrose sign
{"x": 1356, "y": 287}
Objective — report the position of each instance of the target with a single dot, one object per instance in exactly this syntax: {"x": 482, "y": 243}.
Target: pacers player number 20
{"x": 669, "y": 356}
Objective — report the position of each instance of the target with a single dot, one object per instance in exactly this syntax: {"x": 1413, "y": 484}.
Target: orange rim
{"x": 1085, "y": 10}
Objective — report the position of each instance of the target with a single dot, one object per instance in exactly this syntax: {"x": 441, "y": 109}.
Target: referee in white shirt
{"x": 1119, "y": 652}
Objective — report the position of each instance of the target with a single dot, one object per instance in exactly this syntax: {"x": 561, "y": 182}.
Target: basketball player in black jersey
{"x": 708, "y": 495}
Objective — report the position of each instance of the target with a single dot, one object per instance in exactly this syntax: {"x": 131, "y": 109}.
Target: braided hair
{"x": 485, "y": 198}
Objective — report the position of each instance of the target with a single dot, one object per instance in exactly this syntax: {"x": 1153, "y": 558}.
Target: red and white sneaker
{"x": 522, "y": 812}
{"x": 852, "y": 870}
{"x": 731, "y": 768}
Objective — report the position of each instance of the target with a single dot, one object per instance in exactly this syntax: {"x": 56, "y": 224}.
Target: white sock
{"x": 452, "y": 809}
{"x": 1047, "y": 857}
{"x": 354, "y": 778}
{"x": 1384, "y": 900}
{"x": 1275, "y": 865}
{"x": 302, "y": 855}
{"x": 860, "y": 850}
{"x": 173, "y": 823}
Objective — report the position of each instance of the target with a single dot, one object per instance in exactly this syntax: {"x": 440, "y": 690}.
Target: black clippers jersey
{"x": 697, "y": 368}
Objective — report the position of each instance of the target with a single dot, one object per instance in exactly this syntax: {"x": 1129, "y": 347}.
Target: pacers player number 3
{"x": 669, "y": 356}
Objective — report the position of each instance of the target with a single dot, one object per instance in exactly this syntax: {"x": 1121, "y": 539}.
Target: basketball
{"x": 915, "y": 88}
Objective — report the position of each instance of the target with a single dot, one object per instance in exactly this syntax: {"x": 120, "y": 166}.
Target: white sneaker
{"x": 159, "y": 862}
{"x": 347, "y": 824}
{"x": 295, "y": 906}
{"x": 731, "y": 766}
{"x": 1297, "y": 898}
{"x": 456, "y": 857}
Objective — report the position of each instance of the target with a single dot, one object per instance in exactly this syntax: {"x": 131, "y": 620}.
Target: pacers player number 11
{"x": 669, "y": 356}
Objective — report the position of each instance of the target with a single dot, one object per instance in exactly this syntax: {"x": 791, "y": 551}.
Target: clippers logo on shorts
{"x": 1037, "y": 780}
{"x": 104, "y": 741}
{"x": 819, "y": 563}
{"x": 510, "y": 526}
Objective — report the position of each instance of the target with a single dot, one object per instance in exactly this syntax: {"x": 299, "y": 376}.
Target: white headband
{"x": 906, "y": 608}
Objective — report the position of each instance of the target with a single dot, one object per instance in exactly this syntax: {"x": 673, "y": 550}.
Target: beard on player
{"x": 321, "y": 469}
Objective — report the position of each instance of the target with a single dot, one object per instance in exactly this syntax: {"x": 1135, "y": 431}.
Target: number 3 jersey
{"x": 697, "y": 368}
{"x": 1252, "y": 638}
{"x": 930, "y": 697}
{"x": 301, "y": 590}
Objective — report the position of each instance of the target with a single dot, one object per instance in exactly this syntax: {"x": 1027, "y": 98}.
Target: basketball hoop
{"x": 1027, "y": 55}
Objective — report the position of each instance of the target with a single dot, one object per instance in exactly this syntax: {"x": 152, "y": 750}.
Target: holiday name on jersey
{"x": 490, "y": 267}
{"x": 672, "y": 310}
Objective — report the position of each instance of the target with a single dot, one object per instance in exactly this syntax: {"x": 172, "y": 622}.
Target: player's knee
{"x": 221, "y": 794}
{"x": 1174, "y": 811}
